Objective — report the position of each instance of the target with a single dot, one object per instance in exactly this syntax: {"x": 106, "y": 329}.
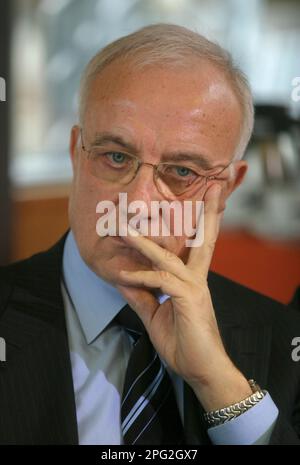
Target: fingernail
{"x": 131, "y": 231}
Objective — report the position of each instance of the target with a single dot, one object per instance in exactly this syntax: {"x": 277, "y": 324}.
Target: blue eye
{"x": 182, "y": 171}
{"x": 117, "y": 157}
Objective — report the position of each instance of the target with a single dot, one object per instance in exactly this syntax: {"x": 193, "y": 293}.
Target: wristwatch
{"x": 223, "y": 415}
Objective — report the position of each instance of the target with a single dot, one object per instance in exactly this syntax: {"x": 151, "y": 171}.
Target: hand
{"x": 183, "y": 329}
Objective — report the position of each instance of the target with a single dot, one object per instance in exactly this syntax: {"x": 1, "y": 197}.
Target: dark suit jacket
{"x": 37, "y": 403}
{"x": 295, "y": 302}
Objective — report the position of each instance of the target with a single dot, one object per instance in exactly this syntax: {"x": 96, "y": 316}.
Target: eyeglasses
{"x": 172, "y": 180}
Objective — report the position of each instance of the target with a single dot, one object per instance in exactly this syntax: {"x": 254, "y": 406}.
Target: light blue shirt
{"x": 99, "y": 356}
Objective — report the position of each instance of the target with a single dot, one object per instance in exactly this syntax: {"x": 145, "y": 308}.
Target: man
{"x": 128, "y": 338}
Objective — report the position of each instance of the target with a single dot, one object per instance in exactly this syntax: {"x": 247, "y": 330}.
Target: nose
{"x": 143, "y": 187}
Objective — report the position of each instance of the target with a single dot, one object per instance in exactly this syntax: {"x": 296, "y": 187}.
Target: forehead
{"x": 179, "y": 103}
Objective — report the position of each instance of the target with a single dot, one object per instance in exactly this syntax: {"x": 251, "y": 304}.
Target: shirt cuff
{"x": 254, "y": 426}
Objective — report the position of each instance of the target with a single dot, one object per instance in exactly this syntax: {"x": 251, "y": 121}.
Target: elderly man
{"x": 128, "y": 338}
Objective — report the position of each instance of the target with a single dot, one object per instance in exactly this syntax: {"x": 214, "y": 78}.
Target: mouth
{"x": 121, "y": 241}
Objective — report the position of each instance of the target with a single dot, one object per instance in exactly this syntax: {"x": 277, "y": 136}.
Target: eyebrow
{"x": 107, "y": 137}
{"x": 199, "y": 159}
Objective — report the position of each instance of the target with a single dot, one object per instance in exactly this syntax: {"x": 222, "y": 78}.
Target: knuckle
{"x": 211, "y": 245}
{"x": 165, "y": 275}
{"x": 170, "y": 257}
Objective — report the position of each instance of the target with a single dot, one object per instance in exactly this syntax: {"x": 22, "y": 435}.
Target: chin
{"x": 133, "y": 261}
{"x": 111, "y": 255}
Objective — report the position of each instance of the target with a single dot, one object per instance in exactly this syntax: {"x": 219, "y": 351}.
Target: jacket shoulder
{"x": 246, "y": 305}
{"x": 38, "y": 275}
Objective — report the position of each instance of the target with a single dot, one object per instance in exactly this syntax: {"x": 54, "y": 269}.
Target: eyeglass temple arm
{"x": 81, "y": 138}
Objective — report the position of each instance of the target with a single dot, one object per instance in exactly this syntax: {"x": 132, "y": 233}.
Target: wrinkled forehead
{"x": 164, "y": 100}
{"x": 186, "y": 88}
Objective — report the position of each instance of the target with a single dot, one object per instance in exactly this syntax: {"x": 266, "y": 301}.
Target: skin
{"x": 163, "y": 110}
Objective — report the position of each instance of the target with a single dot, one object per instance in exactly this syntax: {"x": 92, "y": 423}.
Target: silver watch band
{"x": 223, "y": 415}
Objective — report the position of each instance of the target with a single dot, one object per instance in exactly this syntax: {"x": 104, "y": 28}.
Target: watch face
{"x": 254, "y": 386}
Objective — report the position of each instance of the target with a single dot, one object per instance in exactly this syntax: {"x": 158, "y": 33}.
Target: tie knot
{"x": 130, "y": 321}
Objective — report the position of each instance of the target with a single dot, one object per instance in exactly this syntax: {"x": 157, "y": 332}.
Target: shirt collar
{"x": 96, "y": 302}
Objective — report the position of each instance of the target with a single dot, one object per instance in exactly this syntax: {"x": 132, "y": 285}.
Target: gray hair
{"x": 173, "y": 45}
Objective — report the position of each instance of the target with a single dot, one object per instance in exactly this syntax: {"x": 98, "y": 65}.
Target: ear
{"x": 240, "y": 169}
{"x": 73, "y": 146}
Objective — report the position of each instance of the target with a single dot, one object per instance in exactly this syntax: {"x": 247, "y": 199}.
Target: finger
{"x": 142, "y": 302}
{"x": 167, "y": 282}
{"x": 200, "y": 257}
{"x": 162, "y": 258}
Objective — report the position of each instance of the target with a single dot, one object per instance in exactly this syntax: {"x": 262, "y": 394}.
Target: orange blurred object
{"x": 267, "y": 266}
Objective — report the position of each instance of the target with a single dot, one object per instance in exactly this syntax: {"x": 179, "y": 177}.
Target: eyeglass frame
{"x": 154, "y": 166}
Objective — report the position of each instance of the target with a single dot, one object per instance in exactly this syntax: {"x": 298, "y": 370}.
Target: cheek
{"x": 184, "y": 253}
{"x": 225, "y": 192}
{"x": 224, "y": 195}
{"x": 178, "y": 246}
{"x": 89, "y": 191}
{"x": 83, "y": 201}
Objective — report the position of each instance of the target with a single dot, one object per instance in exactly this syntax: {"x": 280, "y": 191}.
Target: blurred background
{"x": 44, "y": 46}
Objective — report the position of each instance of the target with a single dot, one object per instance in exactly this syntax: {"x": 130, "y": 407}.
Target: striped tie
{"x": 149, "y": 412}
